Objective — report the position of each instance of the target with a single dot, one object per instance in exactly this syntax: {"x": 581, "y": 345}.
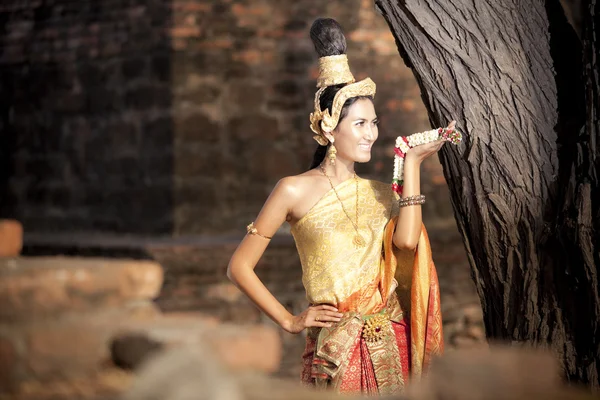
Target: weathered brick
{"x": 101, "y": 100}
{"x": 161, "y": 66}
{"x": 192, "y": 6}
{"x": 185, "y": 31}
{"x": 147, "y": 96}
{"x": 203, "y": 93}
{"x": 123, "y": 135}
{"x": 245, "y": 96}
{"x": 192, "y": 161}
{"x": 11, "y": 238}
{"x": 253, "y": 128}
{"x": 133, "y": 68}
{"x": 251, "y": 57}
{"x": 283, "y": 160}
{"x": 197, "y": 128}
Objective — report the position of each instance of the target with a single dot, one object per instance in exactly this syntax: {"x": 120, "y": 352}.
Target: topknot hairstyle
{"x": 328, "y": 37}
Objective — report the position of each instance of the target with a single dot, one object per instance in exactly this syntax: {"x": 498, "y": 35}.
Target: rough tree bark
{"x": 523, "y": 87}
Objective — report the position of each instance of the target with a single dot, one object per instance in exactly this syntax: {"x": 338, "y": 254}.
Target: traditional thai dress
{"x": 390, "y": 299}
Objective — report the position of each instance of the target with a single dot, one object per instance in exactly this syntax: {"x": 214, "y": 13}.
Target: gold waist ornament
{"x": 376, "y": 327}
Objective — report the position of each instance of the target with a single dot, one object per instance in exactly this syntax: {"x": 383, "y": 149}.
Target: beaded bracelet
{"x": 412, "y": 203}
{"x": 417, "y": 199}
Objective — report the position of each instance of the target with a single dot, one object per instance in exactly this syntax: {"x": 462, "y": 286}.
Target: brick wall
{"x": 86, "y": 124}
{"x": 177, "y": 117}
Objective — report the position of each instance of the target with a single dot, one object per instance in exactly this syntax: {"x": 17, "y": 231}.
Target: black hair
{"x": 329, "y": 40}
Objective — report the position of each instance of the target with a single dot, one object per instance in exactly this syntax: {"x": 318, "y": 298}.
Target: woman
{"x": 356, "y": 239}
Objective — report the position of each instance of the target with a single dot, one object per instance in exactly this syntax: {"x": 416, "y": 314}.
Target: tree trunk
{"x": 523, "y": 88}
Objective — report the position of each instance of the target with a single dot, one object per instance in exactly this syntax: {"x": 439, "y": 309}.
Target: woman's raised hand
{"x": 318, "y": 316}
{"x": 422, "y": 151}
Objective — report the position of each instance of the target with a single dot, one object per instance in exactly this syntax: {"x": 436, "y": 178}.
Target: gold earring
{"x": 331, "y": 152}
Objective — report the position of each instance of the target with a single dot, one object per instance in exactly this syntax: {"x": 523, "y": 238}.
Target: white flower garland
{"x": 405, "y": 143}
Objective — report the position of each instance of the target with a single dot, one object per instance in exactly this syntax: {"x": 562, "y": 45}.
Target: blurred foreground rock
{"x": 46, "y": 287}
{"x": 58, "y": 313}
{"x": 495, "y": 373}
{"x": 477, "y": 374}
{"x": 196, "y": 373}
{"x": 11, "y": 238}
{"x": 64, "y": 320}
{"x": 255, "y": 347}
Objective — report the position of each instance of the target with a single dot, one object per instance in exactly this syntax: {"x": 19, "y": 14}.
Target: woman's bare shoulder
{"x": 295, "y": 186}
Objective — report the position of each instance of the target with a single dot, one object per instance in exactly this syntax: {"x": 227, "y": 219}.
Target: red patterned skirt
{"x": 359, "y": 375}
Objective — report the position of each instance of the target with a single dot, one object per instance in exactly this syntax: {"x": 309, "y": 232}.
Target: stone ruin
{"x": 73, "y": 327}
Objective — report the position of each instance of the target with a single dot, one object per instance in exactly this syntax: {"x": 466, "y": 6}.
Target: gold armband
{"x": 253, "y": 231}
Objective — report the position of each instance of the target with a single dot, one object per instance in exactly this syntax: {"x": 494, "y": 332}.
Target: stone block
{"x": 275, "y": 163}
{"x": 11, "y": 238}
{"x": 203, "y": 93}
{"x": 161, "y": 67}
{"x": 133, "y": 68}
{"x": 144, "y": 97}
{"x": 239, "y": 347}
{"x": 196, "y": 128}
{"x": 31, "y": 287}
{"x": 64, "y": 347}
{"x": 245, "y": 96}
{"x": 253, "y": 128}
{"x": 191, "y": 162}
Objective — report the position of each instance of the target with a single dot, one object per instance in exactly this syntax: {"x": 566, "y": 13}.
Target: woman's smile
{"x": 365, "y": 146}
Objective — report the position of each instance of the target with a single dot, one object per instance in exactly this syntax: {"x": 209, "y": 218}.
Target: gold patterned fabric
{"x": 362, "y": 283}
{"x": 334, "y": 70}
{"x": 333, "y": 271}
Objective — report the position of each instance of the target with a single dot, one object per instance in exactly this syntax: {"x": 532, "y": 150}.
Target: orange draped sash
{"x": 426, "y": 338}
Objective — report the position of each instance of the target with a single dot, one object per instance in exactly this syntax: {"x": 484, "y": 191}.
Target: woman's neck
{"x": 341, "y": 171}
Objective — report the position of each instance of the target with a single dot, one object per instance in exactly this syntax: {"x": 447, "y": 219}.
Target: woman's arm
{"x": 241, "y": 267}
{"x": 408, "y": 226}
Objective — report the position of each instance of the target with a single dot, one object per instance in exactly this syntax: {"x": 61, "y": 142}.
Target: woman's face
{"x": 355, "y": 134}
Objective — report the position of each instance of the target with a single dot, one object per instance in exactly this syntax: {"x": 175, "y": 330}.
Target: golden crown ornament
{"x": 334, "y": 70}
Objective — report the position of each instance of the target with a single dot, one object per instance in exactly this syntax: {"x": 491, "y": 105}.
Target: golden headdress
{"x": 334, "y": 70}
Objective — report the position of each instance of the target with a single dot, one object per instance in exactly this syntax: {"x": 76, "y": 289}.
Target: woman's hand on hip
{"x": 320, "y": 316}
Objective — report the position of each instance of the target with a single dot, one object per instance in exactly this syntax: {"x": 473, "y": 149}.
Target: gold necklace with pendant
{"x": 358, "y": 240}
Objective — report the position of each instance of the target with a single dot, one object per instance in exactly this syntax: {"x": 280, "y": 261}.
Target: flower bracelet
{"x": 405, "y": 143}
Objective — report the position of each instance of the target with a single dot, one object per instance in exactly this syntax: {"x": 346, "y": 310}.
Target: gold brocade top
{"x": 334, "y": 271}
